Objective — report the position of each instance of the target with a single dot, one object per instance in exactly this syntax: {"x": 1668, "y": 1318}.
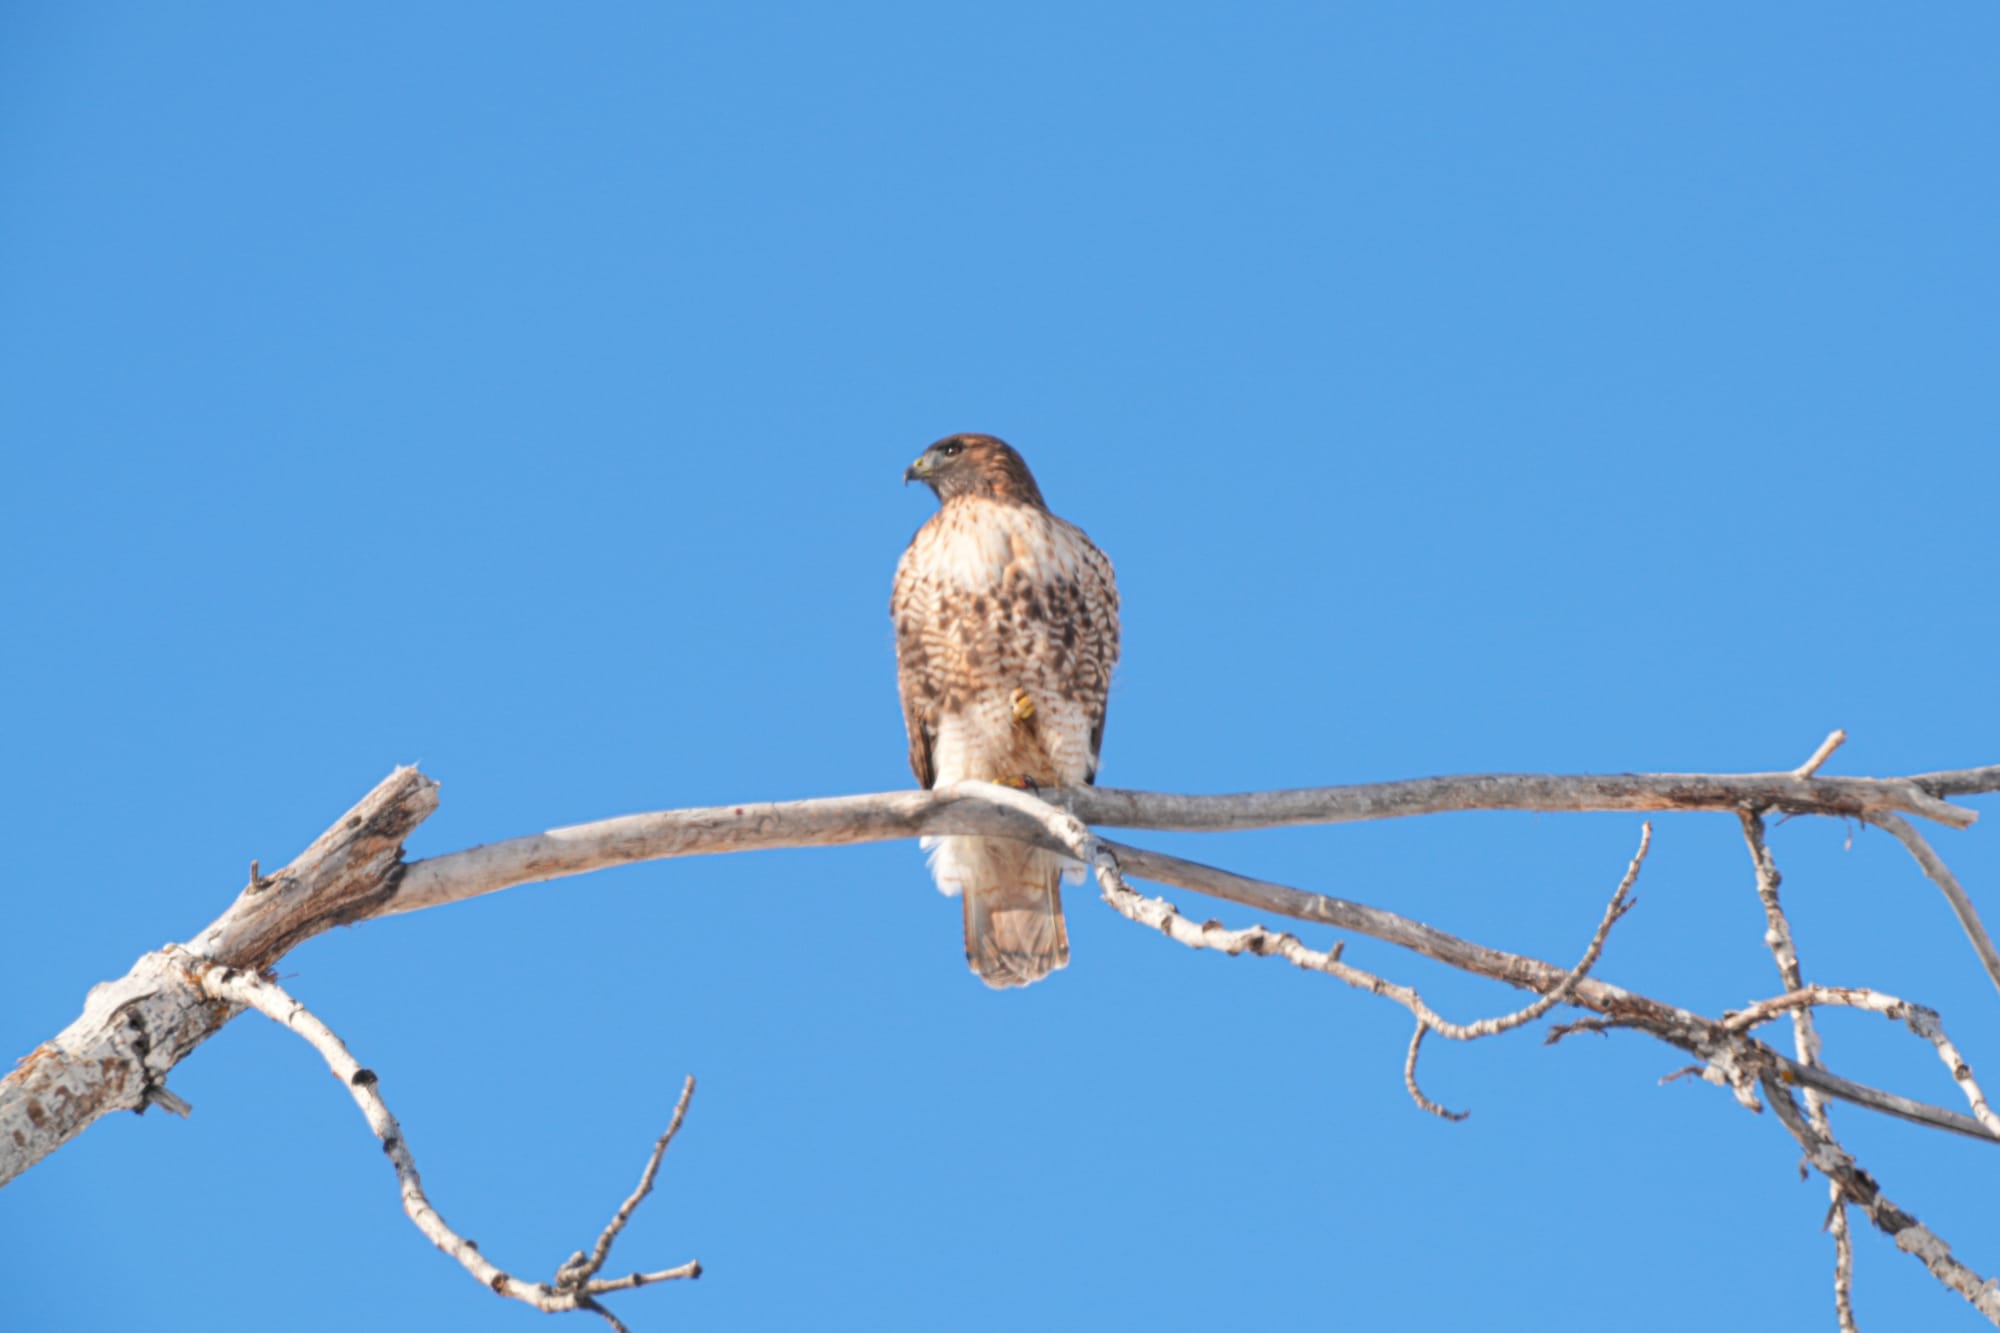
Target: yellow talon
{"x": 1024, "y": 707}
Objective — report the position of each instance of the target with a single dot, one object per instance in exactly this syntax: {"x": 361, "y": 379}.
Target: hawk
{"x": 1006, "y": 632}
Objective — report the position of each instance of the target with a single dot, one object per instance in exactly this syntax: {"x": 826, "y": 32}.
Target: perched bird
{"x": 1006, "y": 632}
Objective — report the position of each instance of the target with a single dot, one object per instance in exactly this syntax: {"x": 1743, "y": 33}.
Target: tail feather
{"x": 1012, "y": 893}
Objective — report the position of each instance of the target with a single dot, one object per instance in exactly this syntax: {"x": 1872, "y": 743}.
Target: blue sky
{"x": 522, "y": 391}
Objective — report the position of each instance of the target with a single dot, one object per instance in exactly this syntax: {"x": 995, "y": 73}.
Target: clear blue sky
{"x": 523, "y": 390}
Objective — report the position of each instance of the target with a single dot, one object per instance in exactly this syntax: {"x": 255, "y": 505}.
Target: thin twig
{"x": 1622, "y": 1008}
{"x": 251, "y": 991}
{"x": 1410, "y": 1078}
{"x": 1163, "y": 916}
{"x": 577, "y": 1273}
{"x": 1843, "y": 1263}
{"x": 1834, "y": 740}
{"x": 1805, "y": 1037}
{"x": 1940, "y": 875}
{"x": 1614, "y": 911}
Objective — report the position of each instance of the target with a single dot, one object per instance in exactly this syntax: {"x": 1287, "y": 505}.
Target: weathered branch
{"x": 576, "y": 1286}
{"x": 346, "y": 875}
{"x": 839, "y": 820}
{"x": 1959, "y": 781}
{"x": 1805, "y": 1036}
{"x": 581, "y": 1269}
{"x": 1547, "y": 793}
{"x": 1922, "y": 1022}
{"x": 1622, "y": 1008}
{"x": 847, "y": 819}
{"x": 1940, "y": 874}
{"x": 1859, "y": 1188}
{"x": 115, "y": 1057}
{"x": 1166, "y": 918}
{"x": 1834, "y": 740}
{"x": 1724, "y": 1059}
{"x": 135, "y": 1029}
{"x": 1410, "y": 1084}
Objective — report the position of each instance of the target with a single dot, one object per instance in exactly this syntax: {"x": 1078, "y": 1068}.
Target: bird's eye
{"x": 951, "y": 450}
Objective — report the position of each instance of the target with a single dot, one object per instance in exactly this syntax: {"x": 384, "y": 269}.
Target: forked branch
{"x": 576, "y": 1285}
{"x": 134, "y": 1030}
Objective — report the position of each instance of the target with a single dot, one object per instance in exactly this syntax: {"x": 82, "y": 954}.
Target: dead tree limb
{"x": 134, "y": 1029}
{"x": 837, "y": 820}
{"x": 1859, "y": 1188}
{"x": 1805, "y": 1035}
{"x": 575, "y": 1286}
{"x": 116, "y": 1055}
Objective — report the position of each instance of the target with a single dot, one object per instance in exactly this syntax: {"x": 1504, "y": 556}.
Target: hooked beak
{"x": 919, "y": 470}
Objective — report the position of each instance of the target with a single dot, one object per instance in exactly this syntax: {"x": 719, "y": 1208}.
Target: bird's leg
{"x": 1023, "y": 705}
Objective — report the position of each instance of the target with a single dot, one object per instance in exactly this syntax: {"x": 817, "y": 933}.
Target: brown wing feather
{"x": 920, "y": 745}
{"x": 913, "y": 681}
{"x": 1099, "y": 620}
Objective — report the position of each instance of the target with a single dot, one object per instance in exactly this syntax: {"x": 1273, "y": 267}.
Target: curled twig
{"x": 1410, "y": 1078}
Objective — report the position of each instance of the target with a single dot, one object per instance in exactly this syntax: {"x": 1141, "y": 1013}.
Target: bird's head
{"x": 975, "y": 465}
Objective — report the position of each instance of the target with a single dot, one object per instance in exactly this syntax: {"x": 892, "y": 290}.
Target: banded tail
{"x": 1012, "y": 894}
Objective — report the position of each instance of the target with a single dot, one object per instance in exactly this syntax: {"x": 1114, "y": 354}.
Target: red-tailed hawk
{"x": 1006, "y": 633}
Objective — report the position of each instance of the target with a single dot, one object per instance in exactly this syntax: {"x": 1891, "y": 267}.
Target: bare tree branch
{"x": 1410, "y": 1078}
{"x": 847, "y": 819}
{"x": 1860, "y": 1189}
{"x": 1834, "y": 740}
{"x": 115, "y": 1057}
{"x": 1625, "y": 1008}
{"x": 581, "y": 1268}
{"x": 1489, "y": 1027}
{"x": 838, "y": 820}
{"x": 1163, "y": 916}
{"x": 135, "y": 1029}
{"x": 1805, "y": 1038}
{"x": 1919, "y": 1020}
{"x": 1940, "y": 875}
{"x": 1734, "y": 1066}
{"x": 1548, "y": 793}
{"x": 576, "y": 1286}
{"x": 1843, "y": 1267}
{"x": 1959, "y": 781}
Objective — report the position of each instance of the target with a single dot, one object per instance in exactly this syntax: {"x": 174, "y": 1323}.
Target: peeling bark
{"x": 116, "y": 1055}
